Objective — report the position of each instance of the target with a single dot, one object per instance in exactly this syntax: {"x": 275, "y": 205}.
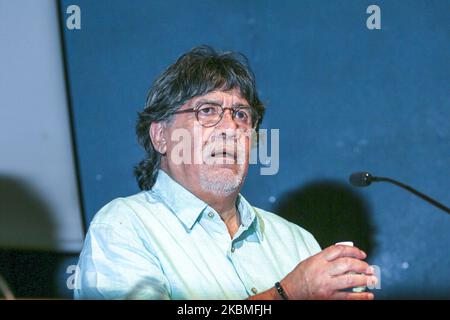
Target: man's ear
{"x": 156, "y": 132}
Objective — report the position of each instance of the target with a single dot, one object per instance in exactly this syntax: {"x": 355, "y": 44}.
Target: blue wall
{"x": 345, "y": 98}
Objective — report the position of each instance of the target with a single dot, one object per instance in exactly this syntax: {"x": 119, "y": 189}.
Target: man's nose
{"x": 227, "y": 121}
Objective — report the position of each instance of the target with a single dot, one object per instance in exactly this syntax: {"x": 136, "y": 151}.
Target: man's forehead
{"x": 220, "y": 95}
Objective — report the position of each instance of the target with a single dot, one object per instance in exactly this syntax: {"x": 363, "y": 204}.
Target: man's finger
{"x": 344, "y": 265}
{"x": 353, "y": 280}
{"x": 353, "y": 296}
{"x": 338, "y": 251}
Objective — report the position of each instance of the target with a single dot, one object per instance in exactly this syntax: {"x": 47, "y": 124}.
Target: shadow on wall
{"x": 25, "y": 229}
{"x": 332, "y": 211}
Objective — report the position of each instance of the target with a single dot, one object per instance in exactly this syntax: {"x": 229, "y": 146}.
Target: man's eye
{"x": 206, "y": 111}
{"x": 241, "y": 115}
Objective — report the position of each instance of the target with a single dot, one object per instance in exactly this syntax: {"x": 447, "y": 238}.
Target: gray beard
{"x": 225, "y": 182}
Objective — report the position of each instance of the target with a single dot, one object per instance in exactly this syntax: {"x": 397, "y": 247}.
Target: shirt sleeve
{"x": 115, "y": 264}
{"x": 310, "y": 242}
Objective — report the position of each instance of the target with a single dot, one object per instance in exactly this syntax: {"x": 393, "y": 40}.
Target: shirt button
{"x": 211, "y": 214}
{"x": 254, "y": 290}
{"x": 232, "y": 249}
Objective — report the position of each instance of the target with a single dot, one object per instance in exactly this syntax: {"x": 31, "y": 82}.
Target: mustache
{"x": 224, "y": 147}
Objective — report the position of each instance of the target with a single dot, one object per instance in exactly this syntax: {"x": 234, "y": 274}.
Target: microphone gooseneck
{"x": 364, "y": 179}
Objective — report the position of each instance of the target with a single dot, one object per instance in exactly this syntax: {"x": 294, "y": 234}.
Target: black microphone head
{"x": 360, "y": 179}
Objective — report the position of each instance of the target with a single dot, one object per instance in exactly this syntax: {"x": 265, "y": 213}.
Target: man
{"x": 190, "y": 234}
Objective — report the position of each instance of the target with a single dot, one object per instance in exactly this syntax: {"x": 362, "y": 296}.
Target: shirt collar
{"x": 180, "y": 200}
{"x": 188, "y": 207}
{"x": 249, "y": 216}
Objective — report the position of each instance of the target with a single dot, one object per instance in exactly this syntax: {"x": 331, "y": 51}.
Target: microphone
{"x": 364, "y": 179}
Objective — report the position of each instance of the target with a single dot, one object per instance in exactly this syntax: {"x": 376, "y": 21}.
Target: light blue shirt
{"x": 166, "y": 243}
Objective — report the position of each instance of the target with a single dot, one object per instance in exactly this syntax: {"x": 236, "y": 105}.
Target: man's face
{"x": 208, "y": 159}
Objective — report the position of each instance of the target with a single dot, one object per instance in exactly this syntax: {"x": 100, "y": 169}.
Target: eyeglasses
{"x": 209, "y": 114}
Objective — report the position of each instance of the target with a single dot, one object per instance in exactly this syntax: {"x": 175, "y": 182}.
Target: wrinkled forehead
{"x": 232, "y": 96}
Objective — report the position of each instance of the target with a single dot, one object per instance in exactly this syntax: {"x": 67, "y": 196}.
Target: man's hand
{"x": 323, "y": 276}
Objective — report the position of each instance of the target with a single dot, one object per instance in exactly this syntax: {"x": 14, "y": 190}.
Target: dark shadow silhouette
{"x": 332, "y": 211}
{"x": 25, "y": 229}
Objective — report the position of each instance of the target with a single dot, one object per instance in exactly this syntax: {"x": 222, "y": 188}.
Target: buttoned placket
{"x": 212, "y": 222}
